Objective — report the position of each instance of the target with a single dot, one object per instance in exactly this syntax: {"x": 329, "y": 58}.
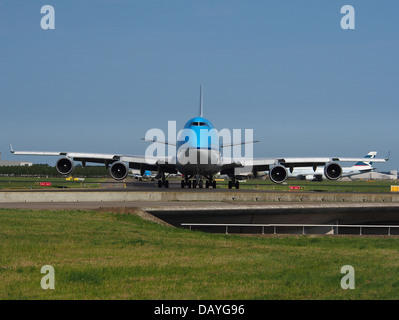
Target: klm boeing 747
{"x": 197, "y": 159}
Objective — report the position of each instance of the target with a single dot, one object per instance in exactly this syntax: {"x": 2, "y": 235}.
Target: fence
{"x": 334, "y": 228}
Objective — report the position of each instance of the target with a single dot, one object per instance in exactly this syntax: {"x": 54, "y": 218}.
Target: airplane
{"x": 307, "y": 173}
{"x": 189, "y": 146}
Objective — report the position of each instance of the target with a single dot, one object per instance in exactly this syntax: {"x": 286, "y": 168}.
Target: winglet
{"x": 201, "y": 111}
{"x": 388, "y": 155}
{"x": 11, "y": 149}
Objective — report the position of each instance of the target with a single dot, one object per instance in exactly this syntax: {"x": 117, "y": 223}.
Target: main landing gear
{"x": 210, "y": 182}
{"x": 163, "y": 181}
{"x": 233, "y": 182}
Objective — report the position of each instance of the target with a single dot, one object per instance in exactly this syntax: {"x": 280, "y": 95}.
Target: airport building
{"x": 14, "y": 163}
{"x": 392, "y": 175}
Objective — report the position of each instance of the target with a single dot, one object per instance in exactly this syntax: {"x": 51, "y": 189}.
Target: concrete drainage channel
{"x": 235, "y": 212}
{"x": 356, "y": 219}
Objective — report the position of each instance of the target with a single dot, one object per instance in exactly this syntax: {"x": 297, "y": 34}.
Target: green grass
{"x": 22, "y": 183}
{"x": 114, "y": 256}
{"x": 362, "y": 186}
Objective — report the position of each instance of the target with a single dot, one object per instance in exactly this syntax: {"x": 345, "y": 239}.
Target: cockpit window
{"x": 198, "y": 124}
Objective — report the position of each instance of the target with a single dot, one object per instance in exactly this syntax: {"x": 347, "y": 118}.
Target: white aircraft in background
{"x": 307, "y": 173}
{"x": 145, "y": 176}
{"x": 194, "y": 172}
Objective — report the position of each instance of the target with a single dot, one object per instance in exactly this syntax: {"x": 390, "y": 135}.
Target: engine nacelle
{"x": 65, "y": 165}
{"x": 278, "y": 174}
{"x": 119, "y": 170}
{"x": 333, "y": 171}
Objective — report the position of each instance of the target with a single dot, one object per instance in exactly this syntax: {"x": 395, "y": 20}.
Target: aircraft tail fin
{"x": 370, "y": 155}
{"x": 201, "y": 107}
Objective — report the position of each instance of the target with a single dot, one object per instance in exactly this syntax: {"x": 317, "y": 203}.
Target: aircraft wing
{"x": 261, "y": 164}
{"x": 135, "y": 162}
{"x": 279, "y": 164}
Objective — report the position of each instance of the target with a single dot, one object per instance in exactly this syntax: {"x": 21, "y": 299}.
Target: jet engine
{"x": 64, "y": 165}
{"x": 278, "y": 174}
{"x": 333, "y": 171}
{"x": 119, "y": 170}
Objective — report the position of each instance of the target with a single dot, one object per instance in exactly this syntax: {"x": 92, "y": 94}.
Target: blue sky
{"x": 113, "y": 69}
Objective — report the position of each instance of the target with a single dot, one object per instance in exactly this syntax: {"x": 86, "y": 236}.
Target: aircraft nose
{"x": 199, "y": 156}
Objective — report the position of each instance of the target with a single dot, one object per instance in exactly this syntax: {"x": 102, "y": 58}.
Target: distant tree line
{"x": 44, "y": 170}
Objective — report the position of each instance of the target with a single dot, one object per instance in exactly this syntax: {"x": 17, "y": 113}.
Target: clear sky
{"x": 113, "y": 69}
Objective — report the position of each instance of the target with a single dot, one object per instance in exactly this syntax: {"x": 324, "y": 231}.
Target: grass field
{"x": 22, "y": 183}
{"x": 99, "y": 255}
{"x": 363, "y": 186}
